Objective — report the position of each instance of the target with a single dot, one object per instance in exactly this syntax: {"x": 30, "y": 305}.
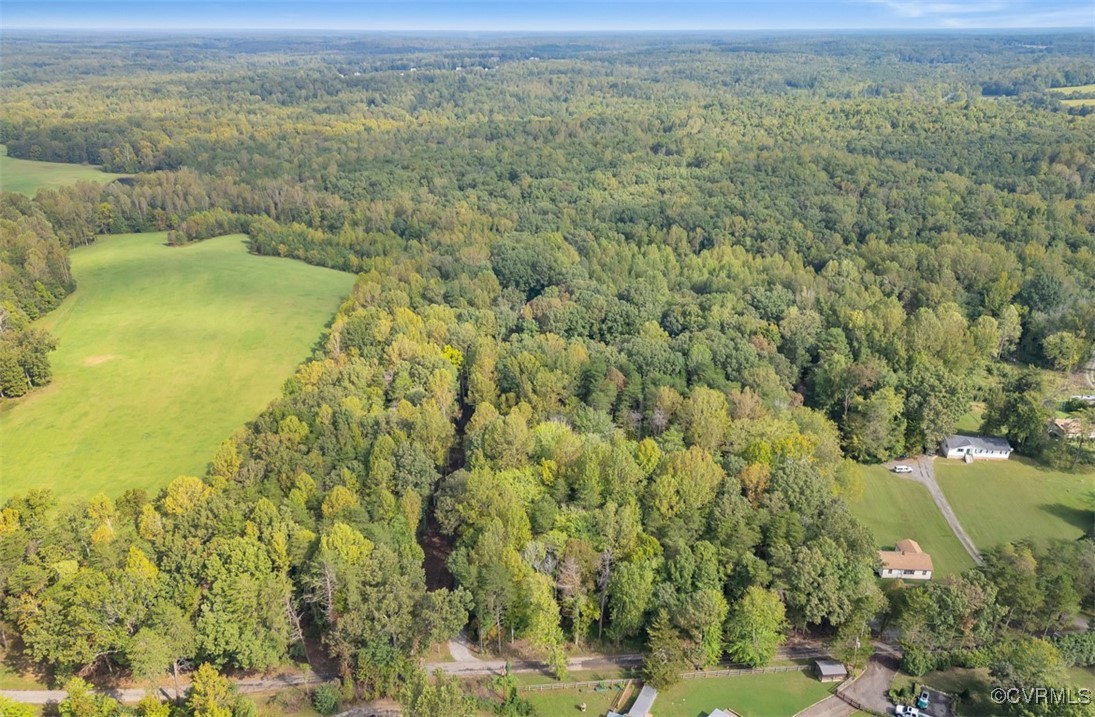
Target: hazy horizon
{"x": 439, "y": 16}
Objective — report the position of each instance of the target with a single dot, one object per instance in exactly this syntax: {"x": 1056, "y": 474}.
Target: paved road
{"x": 924, "y": 473}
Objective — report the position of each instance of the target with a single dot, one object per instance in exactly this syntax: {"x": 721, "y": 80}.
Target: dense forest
{"x": 628, "y": 313}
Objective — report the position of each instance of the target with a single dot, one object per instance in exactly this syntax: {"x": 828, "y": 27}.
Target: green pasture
{"x": 1002, "y": 501}
{"x": 27, "y": 177}
{"x": 163, "y": 353}
{"x": 894, "y": 508}
{"x": 762, "y": 695}
{"x": 1073, "y": 90}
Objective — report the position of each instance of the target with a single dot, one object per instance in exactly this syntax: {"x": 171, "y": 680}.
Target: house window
{"x": 909, "y": 572}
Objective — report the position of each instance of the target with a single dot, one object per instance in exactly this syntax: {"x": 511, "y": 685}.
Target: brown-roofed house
{"x": 1071, "y": 429}
{"x": 906, "y": 561}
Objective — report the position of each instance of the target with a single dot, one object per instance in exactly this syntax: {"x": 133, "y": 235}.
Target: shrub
{"x": 917, "y": 661}
{"x": 973, "y": 658}
{"x": 326, "y": 699}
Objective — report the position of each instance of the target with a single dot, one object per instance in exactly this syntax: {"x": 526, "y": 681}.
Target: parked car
{"x": 902, "y": 469}
{"x": 907, "y": 711}
{"x": 923, "y": 699}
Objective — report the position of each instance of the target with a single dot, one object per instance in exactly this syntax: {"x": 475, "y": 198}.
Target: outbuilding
{"x": 830, "y": 671}
{"x": 643, "y": 703}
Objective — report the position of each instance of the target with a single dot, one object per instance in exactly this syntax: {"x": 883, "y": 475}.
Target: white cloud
{"x": 930, "y": 8}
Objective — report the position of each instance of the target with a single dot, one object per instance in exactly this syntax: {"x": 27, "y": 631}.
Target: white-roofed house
{"x": 976, "y": 448}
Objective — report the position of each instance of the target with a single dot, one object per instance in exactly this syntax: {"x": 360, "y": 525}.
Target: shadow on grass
{"x": 1078, "y": 518}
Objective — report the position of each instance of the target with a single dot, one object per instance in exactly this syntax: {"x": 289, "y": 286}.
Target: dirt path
{"x": 924, "y": 474}
{"x": 461, "y": 650}
{"x": 463, "y": 665}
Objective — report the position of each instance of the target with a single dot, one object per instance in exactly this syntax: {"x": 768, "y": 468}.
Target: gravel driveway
{"x": 924, "y": 474}
{"x": 868, "y": 690}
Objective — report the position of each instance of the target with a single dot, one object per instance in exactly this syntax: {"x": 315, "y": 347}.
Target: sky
{"x": 546, "y": 15}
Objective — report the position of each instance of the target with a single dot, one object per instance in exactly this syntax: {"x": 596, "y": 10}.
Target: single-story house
{"x": 830, "y": 671}
{"x": 1070, "y": 428}
{"x": 906, "y": 561}
{"x": 723, "y": 713}
{"x": 643, "y": 703}
{"x": 971, "y": 448}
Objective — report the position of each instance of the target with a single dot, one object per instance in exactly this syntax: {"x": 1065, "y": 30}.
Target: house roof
{"x": 907, "y": 555}
{"x": 721, "y": 713}
{"x": 908, "y": 545}
{"x": 985, "y": 443}
{"x": 830, "y": 668}
{"x": 1071, "y": 427}
{"x": 643, "y": 703}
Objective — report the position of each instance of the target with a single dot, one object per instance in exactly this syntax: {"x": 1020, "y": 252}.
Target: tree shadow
{"x": 20, "y": 663}
{"x": 1081, "y": 519}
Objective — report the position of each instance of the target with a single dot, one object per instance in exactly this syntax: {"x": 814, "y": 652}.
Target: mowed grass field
{"x": 27, "y": 177}
{"x": 894, "y": 508}
{"x": 772, "y": 695}
{"x": 1073, "y": 90}
{"x": 1002, "y": 501}
{"x": 1066, "y": 93}
{"x": 163, "y": 352}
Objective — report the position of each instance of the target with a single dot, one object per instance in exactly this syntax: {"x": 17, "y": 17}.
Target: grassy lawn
{"x": 26, "y": 176}
{"x": 894, "y": 508}
{"x": 13, "y": 679}
{"x": 1001, "y": 501}
{"x": 772, "y": 695}
{"x": 163, "y": 353}
{"x": 970, "y": 422}
{"x": 1082, "y": 677}
{"x": 553, "y": 703}
{"x": 1075, "y": 89}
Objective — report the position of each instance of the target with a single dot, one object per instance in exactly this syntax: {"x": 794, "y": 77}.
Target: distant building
{"x": 830, "y": 671}
{"x": 1069, "y": 428}
{"x": 971, "y": 448}
{"x": 906, "y": 561}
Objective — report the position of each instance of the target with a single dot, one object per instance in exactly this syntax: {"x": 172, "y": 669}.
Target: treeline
{"x": 34, "y": 277}
{"x": 255, "y": 562}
